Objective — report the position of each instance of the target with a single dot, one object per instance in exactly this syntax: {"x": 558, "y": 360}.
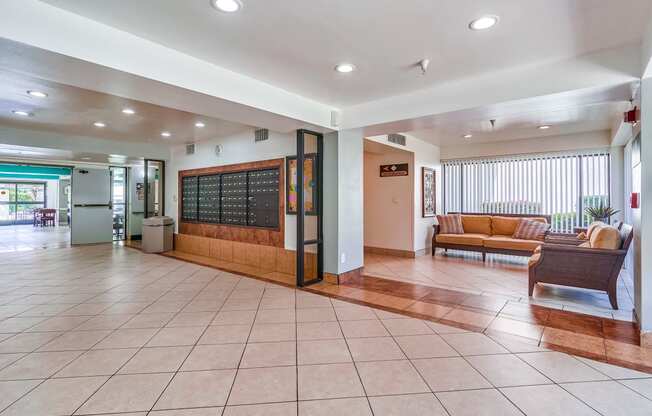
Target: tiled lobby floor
{"x": 500, "y": 277}
{"x": 27, "y": 237}
{"x": 110, "y": 330}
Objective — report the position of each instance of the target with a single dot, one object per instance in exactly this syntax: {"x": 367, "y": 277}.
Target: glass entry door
{"x": 119, "y": 198}
{"x": 19, "y": 200}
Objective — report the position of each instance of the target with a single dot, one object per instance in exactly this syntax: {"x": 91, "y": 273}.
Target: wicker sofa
{"x": 488, "y": 233}
{"x": 583, "y": 266}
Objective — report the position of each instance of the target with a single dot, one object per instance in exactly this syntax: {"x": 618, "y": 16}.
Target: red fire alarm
{"x": 635, "y": 200}
{"x": 632, "y": 116}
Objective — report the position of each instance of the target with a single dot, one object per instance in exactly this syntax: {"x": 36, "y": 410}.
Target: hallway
{"x": 28, "y": 237}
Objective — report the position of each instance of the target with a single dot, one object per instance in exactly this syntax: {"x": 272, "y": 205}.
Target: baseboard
{"x": 338, "y": 279}
{"x": 390, "y": 252}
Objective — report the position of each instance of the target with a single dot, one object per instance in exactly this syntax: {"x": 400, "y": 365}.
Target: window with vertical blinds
{"x": 560, "y": 185}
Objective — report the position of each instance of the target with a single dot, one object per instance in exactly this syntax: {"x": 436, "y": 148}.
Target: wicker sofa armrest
{"x": 570, "y": 249}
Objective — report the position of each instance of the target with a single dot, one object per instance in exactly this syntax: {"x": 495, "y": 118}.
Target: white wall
{"x": 590, "y": 140}
{"x": 644, "y": 215}
{"x": 388, "y": 202}
{"x": 238, "y": 148}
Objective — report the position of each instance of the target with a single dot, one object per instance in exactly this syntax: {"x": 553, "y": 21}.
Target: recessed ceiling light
{"x": 22, "y": 113}
{"x": 345, "y": 68}
{"x": 200, "y": 125}
{"x": 467, "y": 136}
{"x": 37, "y": 94}
{"x": 166, "y": 134}
{"x": 86, "y": 158}
{"x": 227, "y": 6}
{"x": 129, "y": 111}
{"x": 544, "y": 127}
{"x": 99, "y": 124}
{"x": 484, "y": 22}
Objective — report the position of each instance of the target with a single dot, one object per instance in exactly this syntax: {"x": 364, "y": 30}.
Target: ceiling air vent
{"x": 261, "y": 135}
{"x": 190, "y": 149}
{"x": 396, "y": 139}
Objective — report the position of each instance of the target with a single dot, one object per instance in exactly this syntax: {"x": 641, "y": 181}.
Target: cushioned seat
{"x": 509, "y": 243}
{"x": 464, "y": 239}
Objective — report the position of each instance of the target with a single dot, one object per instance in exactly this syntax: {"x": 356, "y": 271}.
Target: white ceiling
{"x": 22, "y": 154}
{"x": 294, "y": 44}
{"x": 72, "y": 111}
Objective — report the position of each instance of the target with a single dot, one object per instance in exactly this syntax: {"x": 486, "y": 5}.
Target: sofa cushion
{"x": 531, "y": 230}
{"x": 476, "y": 224}
{"x": 450, "y": 224}
{"x": 463, "y": 239}
{"x": 606, "y": 237}
{"x": 507, "y": 225}
{"x": 592, "y": 227}
{"x": 534, "y": 259}
{"x": 499, "y": 241}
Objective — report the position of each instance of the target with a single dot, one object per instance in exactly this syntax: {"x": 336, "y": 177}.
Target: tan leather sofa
{"x": 488, "y": 233}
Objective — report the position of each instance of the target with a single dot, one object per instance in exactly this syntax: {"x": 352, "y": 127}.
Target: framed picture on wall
{"x": 309, "y": 184}
{"x": 428, "y": 192}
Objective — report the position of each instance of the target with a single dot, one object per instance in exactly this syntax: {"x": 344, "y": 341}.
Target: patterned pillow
{"x": 450, "y": 224}
{"x": 531, "y": 230}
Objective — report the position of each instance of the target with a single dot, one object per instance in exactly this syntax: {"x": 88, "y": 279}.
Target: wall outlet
{"x": 343, "y": 258}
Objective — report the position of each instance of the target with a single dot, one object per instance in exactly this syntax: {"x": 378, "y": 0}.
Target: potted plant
{"x": 601, "y": 213}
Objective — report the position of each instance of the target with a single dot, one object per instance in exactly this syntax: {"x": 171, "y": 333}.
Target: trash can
{"x": 158, "y": 234}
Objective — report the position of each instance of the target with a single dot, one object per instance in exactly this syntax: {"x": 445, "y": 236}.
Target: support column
{"x": 643, "y": 216}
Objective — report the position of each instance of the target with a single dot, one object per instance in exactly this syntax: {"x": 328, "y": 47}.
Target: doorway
{"x": 119, "y": 201}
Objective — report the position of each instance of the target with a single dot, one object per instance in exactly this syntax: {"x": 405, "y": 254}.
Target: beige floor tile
{"x": 269, "y": 354}
{"x": 75, "y": 340}
{"x": 398, "y": 327}
{"x": 197, "y": 389}
{"x": 275, "y": 316}
{"x": 355, "y": 314}
{"x": 272, "y": 332}
{"x": 375, "y": 349}
{"x": 6, "y": 359}
{"x": 234, "y": 318}
{"x": 390, "y": 377}
{"x": 642, "y": 386}
{"x": 60, "y": 323}
{"x": 328, "y": 381}
{"x": 127, "y": 393}
{"x": 318, "y": 331}
{"x": 446, "y": 374}
{"x": 156, "y": 360}
{"x": 264, "y": 385}
{"x": 425, "y": 346}
{"x": 358, "y": 329}
{"x": 547, "y": 401}
{"x": 473, "y": 344}
{"x": 10, "y": 325}
{"x": 225, "y": 334}
{"x": 104, "y": 322}
{"x": 11, "y": 391}
{"x": 477, "y": 402}
{"x": 27, "y": 341}
{"x": 97, "y": 363}
{"x": 170, "y": 337}
{"x": 38, "y": 365}
{"x": 610, "y": 398}
{"x": 235, "y": 304}
{"x": 561, "y": 368}
{"x": 281, "y": 302}
{"x": 214, "y": 357}
{"x": 614, "y": 371}
{"x": 309, "y": 300}
{"x": 56, "y": 397}
{"x": 445, "y": 329}
{"x": 357, "y": 406}
{"x": 507, "y": 370}
{"x": 149, "y": 320}
{"x": 316, "y": 315}
{"x": 206, "y": 411}
{"x": 127, "y": 338}
{"x": 328, "y": 351}
{"x": 191, "y": 319}
{"x": 270, "y": 409}
{"x": 408, "y": 405}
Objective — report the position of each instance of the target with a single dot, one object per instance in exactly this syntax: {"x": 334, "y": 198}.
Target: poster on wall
{"x": 428, "y": 201}
{"x": 309, "y": 184}
{"x": 397, "y": 169}
{"x": 140, "y": 191}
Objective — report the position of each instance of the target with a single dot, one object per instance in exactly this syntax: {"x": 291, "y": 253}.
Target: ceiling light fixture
{"x": 37, "y": 94}
{"x": 166, "y": 134}
{"x": 345, "y": 68}
{"x": 200, "y": 124}
{"x": 128, "y": 111}
{"x": 484, "y": 22}
{"x": 227, "y": 6}
{"x": 22, "y": 113}
{"x": 86, "y": 158}
{"x": 468, "y": 136}
{"x": 544, "y": 127}
{"x": 99, "y": 124}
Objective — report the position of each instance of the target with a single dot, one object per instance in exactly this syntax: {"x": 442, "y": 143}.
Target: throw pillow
{"x": 582, "y": 236}
{"x": 531, "y": 230}
{"x": 450, "y": 224}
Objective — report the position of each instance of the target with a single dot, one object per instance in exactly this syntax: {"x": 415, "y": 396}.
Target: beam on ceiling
{"x": 33, "y": 170}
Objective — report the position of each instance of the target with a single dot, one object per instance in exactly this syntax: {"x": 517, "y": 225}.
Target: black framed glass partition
{"x": 18, "y": 200}
{"x": 119, "y": 201}
{"x": 154, "y": 188}
{"x": 306, "y": 180}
